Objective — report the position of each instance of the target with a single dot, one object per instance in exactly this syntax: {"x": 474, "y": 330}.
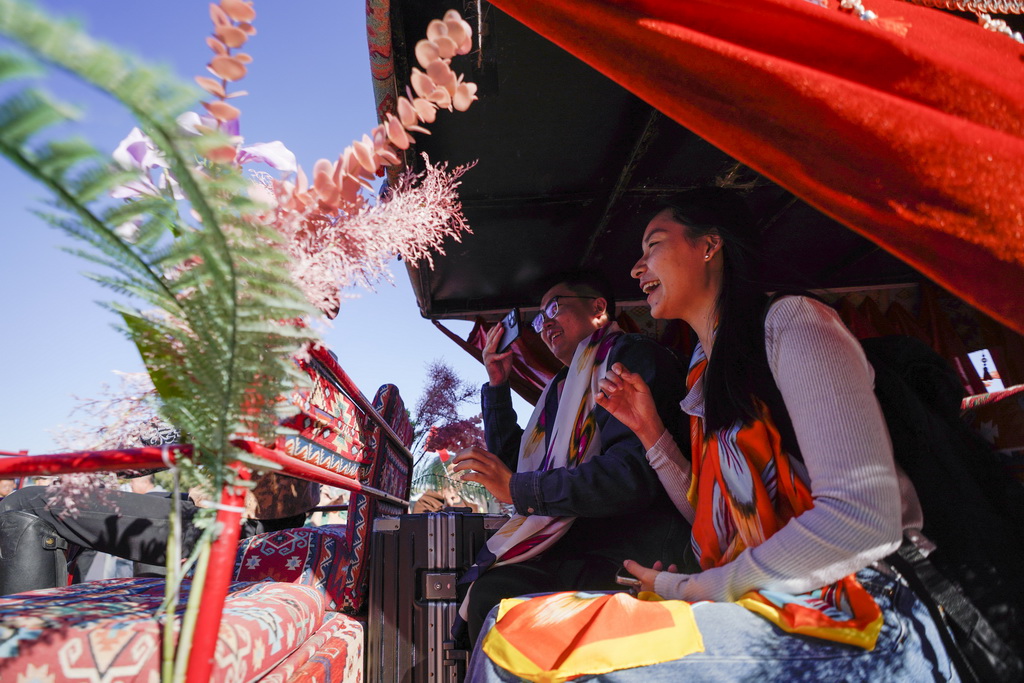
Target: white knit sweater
{"x": 861, "y": 503}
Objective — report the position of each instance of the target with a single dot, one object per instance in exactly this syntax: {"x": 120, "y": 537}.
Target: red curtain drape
{"x": 909, "y": 128}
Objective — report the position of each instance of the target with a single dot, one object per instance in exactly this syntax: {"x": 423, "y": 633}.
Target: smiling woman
{"x": 712, "y": 283}
{"x": 679, "y": 272}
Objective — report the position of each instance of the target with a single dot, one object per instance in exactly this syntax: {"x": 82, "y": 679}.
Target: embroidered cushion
{"x": 105, "y": 630}
{"x": 328, "y": 426}
{"x": 333, "y": 654}
{"x": 316, "y": 557}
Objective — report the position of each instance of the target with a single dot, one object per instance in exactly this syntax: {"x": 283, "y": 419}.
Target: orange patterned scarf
{"x": 746, "y": 483}
{"x": 744, "y": 489}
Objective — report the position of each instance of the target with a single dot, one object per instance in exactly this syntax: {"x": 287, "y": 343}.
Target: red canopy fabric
{"x": 909, "y": 128}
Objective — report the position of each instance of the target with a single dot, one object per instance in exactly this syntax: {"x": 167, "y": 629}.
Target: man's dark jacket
{"x": 621, "y": 508}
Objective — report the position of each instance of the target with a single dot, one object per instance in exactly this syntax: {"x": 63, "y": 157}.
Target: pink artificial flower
{"x": 273, "y": 154}
{"x": 222, "y": 111}
{"x": 194, "y": 123}
{"x": 262, "y": 189}
{"x": 137, "y": 151}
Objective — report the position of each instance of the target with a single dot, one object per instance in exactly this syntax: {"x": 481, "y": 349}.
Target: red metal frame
{"x": 93, "y": 461}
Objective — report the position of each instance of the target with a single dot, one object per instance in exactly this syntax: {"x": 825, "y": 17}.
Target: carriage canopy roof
{"x": 879, "y": 151}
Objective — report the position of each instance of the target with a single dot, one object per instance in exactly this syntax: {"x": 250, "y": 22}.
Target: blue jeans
{"x": 742, "y": 646}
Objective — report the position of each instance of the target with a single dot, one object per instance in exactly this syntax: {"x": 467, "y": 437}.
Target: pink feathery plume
{"x": 333, "y": 250}
{"x": 121, "y": 418}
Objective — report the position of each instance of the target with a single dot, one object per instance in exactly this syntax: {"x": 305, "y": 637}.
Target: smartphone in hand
{"x": 624, "y": 578}
{"x": 510, "y": 328}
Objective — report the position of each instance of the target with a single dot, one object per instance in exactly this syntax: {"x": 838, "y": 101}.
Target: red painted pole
{"x": 218, "y": 578}
{"x": 92, "y": 461}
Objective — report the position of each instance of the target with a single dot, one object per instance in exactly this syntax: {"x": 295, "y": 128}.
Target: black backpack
{"x": 973, "y": 512}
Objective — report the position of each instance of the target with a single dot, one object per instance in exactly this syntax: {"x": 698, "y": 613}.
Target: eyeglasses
{"x": 551, "y": 310}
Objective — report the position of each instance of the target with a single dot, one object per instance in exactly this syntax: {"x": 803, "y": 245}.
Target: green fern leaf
{"x": 216, "y": 348}
{"x": 28, "y": 112}
{"x": 15, "y": 66}
{"x": 55, "y": 159}
{"x": 143, "y": 332}
{"x": 91, "y": 183}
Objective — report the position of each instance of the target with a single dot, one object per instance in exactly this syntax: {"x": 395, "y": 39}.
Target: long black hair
{"x": 738, "y": 368}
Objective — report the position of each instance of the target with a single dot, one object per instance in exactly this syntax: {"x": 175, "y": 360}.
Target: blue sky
{"x": 310, "y": 87}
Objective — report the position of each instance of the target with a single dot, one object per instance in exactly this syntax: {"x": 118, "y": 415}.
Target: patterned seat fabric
{"x": 105, "y": 630}
{"x": 334, "y": 654}
{"x": 329, "y": 426}
{"x": 316, "y": 557}
{"x": 284, "y": 584}
{"x": 335, "y": 435}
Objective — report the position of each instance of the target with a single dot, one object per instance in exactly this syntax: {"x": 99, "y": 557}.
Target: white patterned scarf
{"x": 573, "y": 439}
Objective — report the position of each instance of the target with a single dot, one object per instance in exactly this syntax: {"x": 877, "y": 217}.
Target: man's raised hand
{"x": 499, "y": 365}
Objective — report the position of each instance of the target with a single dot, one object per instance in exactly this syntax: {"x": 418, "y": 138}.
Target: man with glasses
{"x": 584, "y": 495}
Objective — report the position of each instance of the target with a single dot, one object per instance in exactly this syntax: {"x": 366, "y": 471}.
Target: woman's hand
{"x": 499, "y": 365}
{"x": 487, "y": 469}
{"x": 647, "y": 575}
{"x": 627, "y": 397}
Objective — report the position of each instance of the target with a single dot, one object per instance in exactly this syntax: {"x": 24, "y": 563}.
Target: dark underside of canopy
{"x": 569, "y": 165}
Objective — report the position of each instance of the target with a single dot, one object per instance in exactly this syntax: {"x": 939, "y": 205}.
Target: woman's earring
{"x": 707, "y": 257}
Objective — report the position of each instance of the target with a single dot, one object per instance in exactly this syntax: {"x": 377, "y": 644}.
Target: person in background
{"x": 145, "y": 484}
{"x": 128, "y": 525}
{"x": 429, "y": 501}
{"x": 330, "y": 495}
